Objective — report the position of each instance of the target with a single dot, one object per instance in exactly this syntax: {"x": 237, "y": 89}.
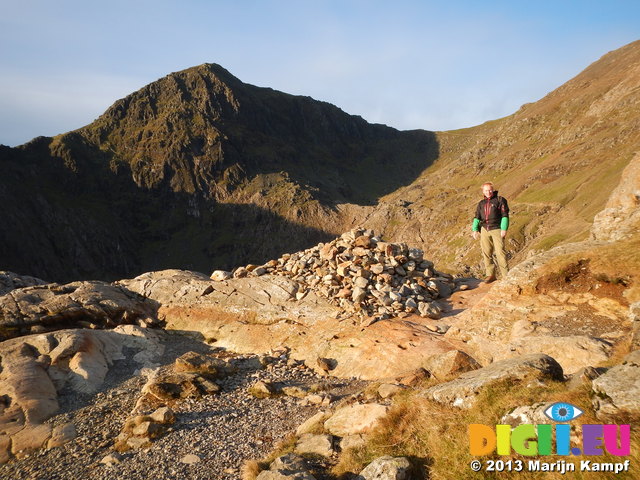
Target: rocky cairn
{"x": 362, "y": 275}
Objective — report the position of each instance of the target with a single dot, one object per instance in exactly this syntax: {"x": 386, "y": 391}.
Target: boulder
{"x": 617, "y": 392}
{"x": 450, "y": 363}
{"x": 354, "y": 419}
{"x": 387, "y": 468}
{"x": 315, "y": 444}
{"x": 463, "y": 391}
{"x": 287, "y": 467}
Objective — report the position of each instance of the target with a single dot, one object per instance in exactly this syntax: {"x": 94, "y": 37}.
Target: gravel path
{"x": 223, "y": 429}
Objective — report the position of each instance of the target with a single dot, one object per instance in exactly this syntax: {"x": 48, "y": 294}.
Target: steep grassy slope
{"x": 555, "y": 160}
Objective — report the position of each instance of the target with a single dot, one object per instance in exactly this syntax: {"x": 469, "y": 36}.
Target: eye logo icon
{"x": 562, "y": 412}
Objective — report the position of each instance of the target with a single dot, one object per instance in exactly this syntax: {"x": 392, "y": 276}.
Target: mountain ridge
{"x": 192, "y": 165}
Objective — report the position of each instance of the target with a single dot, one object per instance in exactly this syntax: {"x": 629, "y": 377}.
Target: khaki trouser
{"x": 491, "y": 242}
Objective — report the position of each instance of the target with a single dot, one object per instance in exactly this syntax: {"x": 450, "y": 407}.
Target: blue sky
{"x": 437, "y": 65}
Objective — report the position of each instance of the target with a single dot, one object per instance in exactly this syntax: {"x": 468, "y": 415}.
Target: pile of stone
{"x": 360, "y": 273}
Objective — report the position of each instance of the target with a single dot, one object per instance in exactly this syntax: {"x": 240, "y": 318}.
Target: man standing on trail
{"x": 490, "y": 224}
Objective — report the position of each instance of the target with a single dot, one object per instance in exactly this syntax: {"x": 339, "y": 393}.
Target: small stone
{"x": 190, "y": 459}
{"x": 262, "y": 389}
{"x": 315, "y": 399}
{"x": 294, "y": 391}
{"x": 377, "y": 269}
{"x": 163, "y": 415}
{"x": 220, "y": 275}
{"x": 387, "y": 390}
{"x": 112, "y": 459}
{"x": 325, "y": 364}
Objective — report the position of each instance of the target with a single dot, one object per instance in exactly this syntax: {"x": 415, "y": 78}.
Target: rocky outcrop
{"x": 464, "y": 390}
{"x": 620, "y": 218}
{"x": 41, "y": 308}
{"x": 10, "y": 281}
{"x": 297, "y": 302}
{"x": 575, "y": 325}
{"x": 36, "y": 368}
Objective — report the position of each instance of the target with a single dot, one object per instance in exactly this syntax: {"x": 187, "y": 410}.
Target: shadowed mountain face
{"x": 202, "y": 131}
{"x": 197, "y": 170}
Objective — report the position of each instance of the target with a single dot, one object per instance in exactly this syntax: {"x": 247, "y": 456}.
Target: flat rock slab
{"x": 463, "y": 391}
{"x": 310, "y": 443}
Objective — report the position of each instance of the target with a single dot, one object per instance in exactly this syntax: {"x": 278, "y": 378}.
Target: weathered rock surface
{"x": 315, "y": 444}
{"x": 514, "y": 318}
{"x": 10, "y": 281}
{"x": 35, "y": 368}
{"x": 617, "y": 392}
{"x": 53, "y": 306}
{"x": 463, "y": 391}
{"x": 387, "y": 468}
{"x": 287, "y": 467}
{"x": 259, "y": 314}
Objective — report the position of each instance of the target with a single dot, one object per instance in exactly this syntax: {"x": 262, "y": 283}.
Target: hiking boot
{"x": 489, "y": 279}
